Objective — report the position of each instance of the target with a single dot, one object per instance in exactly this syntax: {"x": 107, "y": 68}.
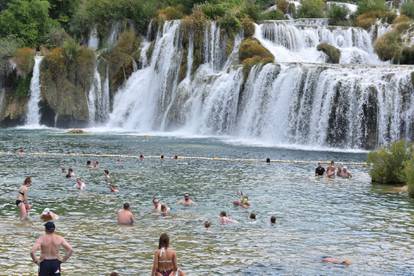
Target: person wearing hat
{"x": 48, "y": 215}
{"x": 187, "y": 201}
{"x": 49, "y": 245}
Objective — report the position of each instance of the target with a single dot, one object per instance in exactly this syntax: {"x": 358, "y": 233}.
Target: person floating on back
{"x": 49, "y": 246}
{"x": 125, "y": 215}
{"x": 319, "y": 171}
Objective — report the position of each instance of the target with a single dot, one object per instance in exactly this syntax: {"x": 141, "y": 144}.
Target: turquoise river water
{"x": 373, "y": 226}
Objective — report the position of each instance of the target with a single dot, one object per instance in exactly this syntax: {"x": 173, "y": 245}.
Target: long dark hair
{"x": 27, "y": 180}
{"x": 164, "y": 241}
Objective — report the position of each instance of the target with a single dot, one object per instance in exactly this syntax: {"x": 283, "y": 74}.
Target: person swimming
{"x": 48, "y": 215}
{"x": 70, "y": 173}
{"x": 345, "y": 173}
{"x": 272, "y": 220}
{"x": 113, "y": 188}
{"x": 165, "y": 258}
{"x": 96, "y": 164}
{"x": 89, "y": 164}
{"x": 268, "y": 160}
{"x": 162, "y": 157}
{"x": 141, "y": 157}
{"x": 207, "y": 224}
{"x": 22, "y": 201}
{"x": 224, "y": 219}
{"x": 187, "y": 201}
{"x": 243, "y": 202}
{"x": 319, "y": 171}
{"x": 157, "y": 205}
{"x": 80, "y": 185}
{"x": 330, "y": 171}
{"x": 336, "y": 261}
{"x": 175, "y": 157}
{"x": 252, "y": 216}
{"x": 164, "y": 210}
{"x": 125, "y": 215}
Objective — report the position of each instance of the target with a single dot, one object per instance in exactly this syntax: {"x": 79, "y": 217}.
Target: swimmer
{"x": 20, "y": 152}
{"x": 319, "y": 171}
{"x": 272, "y": 220}
{"x": 63, "y": 170}
{"x": 187, "y": 201}
{"x": 252, "y": 216}
{"x": 96, "y": 164}
{"x": 175, "y": 157}
{"x": 89, "y": 164}
{"x": 49, "y": 246}
{"x": 48, "y": 215}
{"x": 141, "y": 157}
{"x": 80, "y": 185}
{"x": 207, "y": 224}
{"x": 330, "y": 171}
{"x": 107, "y": 175}
{"x": 336, "y": 261}
{"x": 165, "y": 258}
{"x": 70, "y": 173}
{"x": 243, "y": 202}
{"x": 345, "y": 173}
{"x": 339, "y": 170}
{"x": 113, "y": 188}
{"x": 268, "y": 160}
{"x": 22, "y": 201}
{"x": 125, "y": 215}
{"x": 224, "y": 219}
{"x": 164, "y": 210}
{"x": 157, "y": 204}
{"x": 162, "y": 157}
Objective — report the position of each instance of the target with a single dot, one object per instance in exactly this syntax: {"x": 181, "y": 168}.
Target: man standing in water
{"x": 49, "y": 245}
{"x": 125, "y": 216}
{"x": 319, "y": 171}
{"x": 330, "y": 171}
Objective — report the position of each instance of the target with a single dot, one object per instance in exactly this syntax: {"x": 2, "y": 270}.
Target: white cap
{"x": 46, "y": 211}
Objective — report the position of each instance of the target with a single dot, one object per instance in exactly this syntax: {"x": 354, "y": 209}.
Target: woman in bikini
{"x": 22, "y": 199}
{"x": 165, "y": 258}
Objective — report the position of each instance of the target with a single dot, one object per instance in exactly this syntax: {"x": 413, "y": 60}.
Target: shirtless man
{"x": 187, "y": 201}
{"x": 49, "y": 245}
{"x": 125, "y": 216}
{"x": 224, "y": 219}
{"x": 330, "y": 170}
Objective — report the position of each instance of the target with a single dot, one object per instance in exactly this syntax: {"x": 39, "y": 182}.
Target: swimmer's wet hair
{"x": 126, "y": 206}
{"x": 252, "y": 216}
{"x": 164, "y": 241}
{"x": 223, "y": 214}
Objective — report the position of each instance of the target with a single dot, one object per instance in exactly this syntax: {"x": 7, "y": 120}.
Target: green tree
{"x": 312, "y": 9}
{"x": 27, "y": 19}
{"x": 63, "y": 10}
{"x": 408, "y": 9}
{"x": 371, "y": 5}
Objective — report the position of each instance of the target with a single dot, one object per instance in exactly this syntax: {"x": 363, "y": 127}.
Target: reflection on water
{"x": 316, "y": 217}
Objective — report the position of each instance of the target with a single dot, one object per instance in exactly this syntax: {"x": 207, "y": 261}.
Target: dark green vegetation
{"x": 393, "y": 165}
{"x": 333, "y": 53}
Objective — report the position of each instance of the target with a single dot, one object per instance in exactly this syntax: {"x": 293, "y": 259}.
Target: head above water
{"x": 267, "y": 160}
{"x": 164, "y": 241}
{"x": 223, "y": 214}
{"x": 155, "y": 201}
{"x": 273, "y": 219}
{"x": 207, "y": 224}
{"x": 252, "y": 216}
{"x": 162, "y": 156}
{"x": 126, "y": 206}
{"x": 186, "y": 196}
{"x": 27, "y": 181}
{"x": 332, "y": 163}
{"x": 106, "y": 171}
{"x": 88, "y": 162}
{"x": 163, "y": 208}
{"x": 49, "y": 227}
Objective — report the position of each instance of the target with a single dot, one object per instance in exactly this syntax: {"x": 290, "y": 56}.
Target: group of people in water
{"x": 165, "y": 258}
{"x": 331, "y": 171}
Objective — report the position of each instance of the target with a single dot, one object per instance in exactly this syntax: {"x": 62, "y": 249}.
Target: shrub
{"x": 230, "y": 24}
{"x": 408, "y": 9}
{"x": 388, "y": 46}
{"x": 407, "y": 55}
{"x": 387, "y": 164}
{"x": 337, "y": 15}
{"x": 366, "y": 20}
{"x": 70, "y": 49}
{"x": 282, "y": 5}
{"x": 213, "y": 11}
{"x": 171, "y": 13}
{"x": 292, "y": 10}
{"x": 312, "y": 9}
{"x": 273, "y": 15}
{"x": 56, "y": 38}
{"x": 251, "y": 52}
{"x": 248, "y": 27}
{"x": 24, "y": 60}
{"x": 251, "y": 10}
{"x": 334, "y": 54}
{"x": 401, "y": 19}
{"x": 409, "y": 175}
{"x": 365, "y": 6}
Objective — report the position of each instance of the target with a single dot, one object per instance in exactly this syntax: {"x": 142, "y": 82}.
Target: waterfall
{"x": 93, "y": 41}
{"x": 297, "y": 42}
{"x": 315, "y": 104}
{"x": 113, "y": 35}
{"x": 33, "y": 110}
{"x": 98, "y": 98}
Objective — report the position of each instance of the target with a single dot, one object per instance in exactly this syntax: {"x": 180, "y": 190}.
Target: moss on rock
{"x": 388, "y": 46}
{"x": 251, "y": 52}
{"x": 333, "y": 53}
{"x": 248, "y": 27}
{"x": 65, "y": 83}
{"x": 14, "y": 110}
{"x": 407, "y": 55}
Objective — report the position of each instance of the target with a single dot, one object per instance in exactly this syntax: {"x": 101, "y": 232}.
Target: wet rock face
{"x": 65, "y": 82}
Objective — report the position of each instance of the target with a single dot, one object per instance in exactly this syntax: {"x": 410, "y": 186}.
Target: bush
{"x": 408, "y": 9}
{"x": 230, "y": 24}
{"x": 387, "y": 164}
{"x": 282, "y": 5}
{"x": 251, "y": 52}
{"x": 273, "y": 15}
{"x": 366, "y": 20}
{"x": 170, "y": 13}
{"x": 365, "y": 6}
{"x": 334, "y": 54}
{"x": 388, "y": 46}
{"x": 24, "y": 60}
{"x": 56, "y": 38}
{"x": 409, "y": 175}
{"x": 407, "y": 55}
{"x": 213, "y": 11}
{"x": 312, "y": 9}
{"x": 401, "y": 19}
{"x": 248, "y": 27}
{"x": 251, "y": 10}
{"x": 337, "y": 15}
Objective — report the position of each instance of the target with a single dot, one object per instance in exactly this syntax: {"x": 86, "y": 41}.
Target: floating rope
{"x": 249, "y": 160}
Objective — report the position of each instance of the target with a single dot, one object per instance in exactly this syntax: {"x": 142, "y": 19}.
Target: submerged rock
{"x": 76, "y": 131}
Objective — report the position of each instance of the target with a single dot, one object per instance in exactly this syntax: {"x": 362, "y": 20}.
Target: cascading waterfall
{"x": 33, "y": 110}
{"x": 98, "y": 98}
{"x": 297, "y": 43}
{"x": 351, "y": 106}
{"x": 93, "y": 41}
